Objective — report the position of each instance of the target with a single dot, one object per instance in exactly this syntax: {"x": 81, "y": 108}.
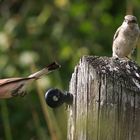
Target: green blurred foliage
{"x": 37, "y": 32}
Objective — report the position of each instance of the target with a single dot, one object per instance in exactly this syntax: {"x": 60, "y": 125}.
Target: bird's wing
{"x": 116, "y": 33}
{"x": 12, "y": 86}
{"x": 46, "y": 70}
{"x": 15, "y": 86}
{"x": 35, "y": 75}
{"x": 12, "y": 80}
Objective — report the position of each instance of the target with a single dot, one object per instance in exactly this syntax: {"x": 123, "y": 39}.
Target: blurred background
{"x": 34, "y": 33}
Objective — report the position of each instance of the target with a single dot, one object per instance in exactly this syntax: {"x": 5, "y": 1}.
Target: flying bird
{"x": 126, "y": 37}
{"x": 13, "y": 87}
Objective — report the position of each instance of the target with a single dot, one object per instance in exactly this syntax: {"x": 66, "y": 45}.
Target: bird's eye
{"x": 133, "y": 21}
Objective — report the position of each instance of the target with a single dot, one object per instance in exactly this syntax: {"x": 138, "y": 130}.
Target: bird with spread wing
{"x": 13, "y": 87}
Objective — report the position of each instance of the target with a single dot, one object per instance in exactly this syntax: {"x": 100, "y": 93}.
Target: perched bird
{"x": 126, "y": 37}
{"x": 13, "y": 87}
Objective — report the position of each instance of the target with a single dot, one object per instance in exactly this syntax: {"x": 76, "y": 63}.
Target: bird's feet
{"x": 22, "y": 94}
{"x": 18, "y": 92}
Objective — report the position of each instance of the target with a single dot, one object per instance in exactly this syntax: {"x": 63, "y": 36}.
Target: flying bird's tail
{"x": 53, "y": 66}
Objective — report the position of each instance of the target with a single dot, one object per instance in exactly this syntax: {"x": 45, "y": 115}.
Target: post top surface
{"x": 122, "y": 69}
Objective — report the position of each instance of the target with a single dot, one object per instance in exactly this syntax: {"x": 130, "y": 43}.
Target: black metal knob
{"x": 55, "y": 97}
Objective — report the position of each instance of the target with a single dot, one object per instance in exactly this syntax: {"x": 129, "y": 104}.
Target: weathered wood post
{"x": 106, "y": 102}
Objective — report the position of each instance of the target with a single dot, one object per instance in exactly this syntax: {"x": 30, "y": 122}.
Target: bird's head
{"x": 130, "y": 20}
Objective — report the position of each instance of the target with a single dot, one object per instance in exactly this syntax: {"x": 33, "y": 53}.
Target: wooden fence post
{"x": 106, "y": 102}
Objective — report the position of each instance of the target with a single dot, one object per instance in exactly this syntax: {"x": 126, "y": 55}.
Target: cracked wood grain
{"x": 106, "y": 102}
